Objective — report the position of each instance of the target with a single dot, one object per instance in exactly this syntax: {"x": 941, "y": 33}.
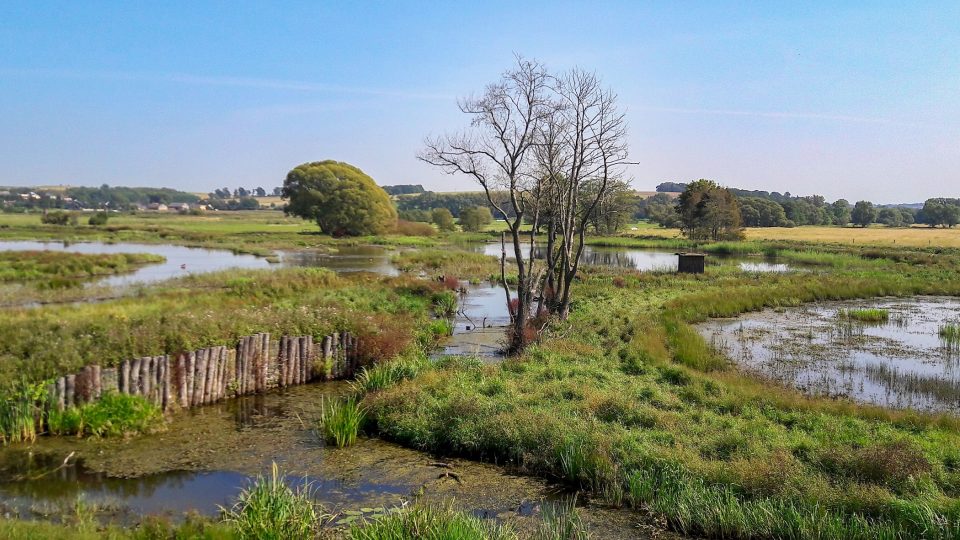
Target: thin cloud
{"x": 773, "y": 114}
{"x": 205, "y": 80}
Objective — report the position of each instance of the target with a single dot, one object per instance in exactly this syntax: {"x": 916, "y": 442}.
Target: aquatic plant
{"x": 114, "y": 414}
{"x": 430, "y": 523}
{"x": 445, "y": 304}
{"x": 871, "y": 315}
{"x": 270, "y": 510}
{"x": 950, "y": 335}
{"x": 340, "y": 421}
{"x": 561, "y": 521}
{"x": 19, "y": 411}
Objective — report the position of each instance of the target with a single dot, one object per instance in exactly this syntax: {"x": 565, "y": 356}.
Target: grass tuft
{"x": 340, "y": 421}
{"x": 270, "y": 510}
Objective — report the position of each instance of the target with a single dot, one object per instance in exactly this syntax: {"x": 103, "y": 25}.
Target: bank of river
{"x": 901, "y": 362}
{"x": 206, "y": 455}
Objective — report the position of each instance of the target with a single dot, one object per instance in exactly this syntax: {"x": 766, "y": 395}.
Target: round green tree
{"x": 340, "y": 198}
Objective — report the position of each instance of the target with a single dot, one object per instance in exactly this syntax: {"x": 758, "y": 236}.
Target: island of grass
{"x": 38, "y": 266}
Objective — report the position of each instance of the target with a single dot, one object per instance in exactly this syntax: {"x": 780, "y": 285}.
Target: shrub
{"x": 55, "y": 218}
{"x": 98, "y": 219}
{"x": 413, "y": 228}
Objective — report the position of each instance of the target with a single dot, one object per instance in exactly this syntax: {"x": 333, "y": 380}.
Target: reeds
{"x": 340, "y": 421}
{"x": 20, "y": 415}
{"x": 950, "y": 335}
{"x": 270, "y": 510}
{"x": 561, "y": 521}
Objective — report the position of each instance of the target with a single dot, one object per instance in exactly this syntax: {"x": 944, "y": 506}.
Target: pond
{"x": 180, "y": 260}
{"x": 644, "y": 260}
{"x": 207, "y": 455}
{"x": 901, "y": 362}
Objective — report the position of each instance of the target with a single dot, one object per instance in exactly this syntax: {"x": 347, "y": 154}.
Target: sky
{"x": 859, "y": 100}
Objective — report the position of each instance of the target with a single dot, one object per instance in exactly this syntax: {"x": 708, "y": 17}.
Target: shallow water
{"x": 480, "y": 323}
{"x": 644, "y": 260}
{"x": 373, "y": 259}
{"x": 901, "y": 363}
{"x": 206, "y": 455}
{"x": 180, "y": 261}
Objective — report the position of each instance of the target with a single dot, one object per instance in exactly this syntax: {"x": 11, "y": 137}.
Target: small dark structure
{"x": 690, "y": 263}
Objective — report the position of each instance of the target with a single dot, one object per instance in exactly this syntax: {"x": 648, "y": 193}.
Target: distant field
{"x": 918, "y": 236}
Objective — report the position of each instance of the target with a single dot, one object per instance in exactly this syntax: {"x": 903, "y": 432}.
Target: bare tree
{"x": 585, "y": 161}
{"x": 496, "y": 152}
{"x": 545, "y": 149}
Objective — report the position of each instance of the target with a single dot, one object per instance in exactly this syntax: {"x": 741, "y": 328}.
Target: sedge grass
{"x": 950, "y": 335}
{"x": 871, "y": 315}
{"x": 269, "y": 509}
{"x": 340, "y": 421}
{"x": 423, "y": 522}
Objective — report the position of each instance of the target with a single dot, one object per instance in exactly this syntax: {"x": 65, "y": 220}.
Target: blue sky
{"x": 848, "y": 99}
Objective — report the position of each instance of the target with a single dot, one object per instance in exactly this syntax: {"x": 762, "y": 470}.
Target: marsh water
{"x": 205, "y": 456}
{"x": 643, "y": 260}
{"x": 901, "y": 363}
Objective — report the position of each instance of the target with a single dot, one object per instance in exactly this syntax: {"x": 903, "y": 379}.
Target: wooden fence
{"x": 209, "y": 375}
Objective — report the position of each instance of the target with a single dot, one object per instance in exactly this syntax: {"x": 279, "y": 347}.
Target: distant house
{"x": 158, "y": 207}
{"x": 179, "y": 207}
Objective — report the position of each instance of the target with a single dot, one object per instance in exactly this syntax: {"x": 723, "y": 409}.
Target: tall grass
{"x": 340, "y": 421}
{"x": 389, "y": 373}
{"x": 950, "y": 335}
{"x": 270, "y": 510}
{"x": 561, "y": 521}
{"x": 20, "y": 416}
{"x": 430, "y": 523}
{"x": 45, "y": 265}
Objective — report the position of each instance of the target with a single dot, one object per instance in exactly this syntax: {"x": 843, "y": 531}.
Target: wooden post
{"x": 257, "y": 361}
{"x": 133, "y": 382}
{"x": 61, "y": 392}
{"x": 265, "y": 361}
{"x": 69, "y": 390}
{"x": 200, "y": 377}
{"x": 96, "y": 373}
{"x": 326, "y": 351}
{"x": 124, "y": 383}
{"x": 213, "y": 358}
{"x": 190, "y": 380}
{"x": 241, "y": 347}
{"x": 305, "y": 358}
{"x": 146, "y": 363}
{"x": 163, "y": 392}
{"x": 231, "y": 376}
{"x": 283, "y": 363}
{"x": 109, "y": 380}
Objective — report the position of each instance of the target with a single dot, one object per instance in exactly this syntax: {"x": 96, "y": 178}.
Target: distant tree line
{"x": 236, "y": 193}
{"x": 103, "y": 197}
{"x": 454, "y": 202}
{"x": 404, "y": 189}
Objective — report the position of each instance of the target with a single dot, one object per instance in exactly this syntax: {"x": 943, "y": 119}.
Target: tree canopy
{"x": 863, "y": 213}
{"x": 340, "y": 198}
{"x": 475, "y": 219}
{"x": 709, "y": 212}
